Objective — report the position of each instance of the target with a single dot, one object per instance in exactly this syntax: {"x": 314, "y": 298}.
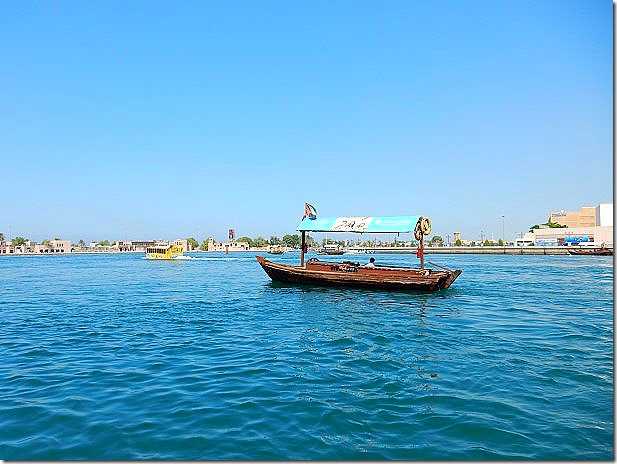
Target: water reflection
{"x": 377, "y": 342}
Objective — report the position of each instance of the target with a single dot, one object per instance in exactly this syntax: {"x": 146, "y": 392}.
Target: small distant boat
{"x": 349, "y": 274}
{"x": 331, "y": 249}
{"x": 164, "y": 251}
{"x": 591, "y": 251}
{"x": 275, "y": 250}
{"x": 358, "y": 251}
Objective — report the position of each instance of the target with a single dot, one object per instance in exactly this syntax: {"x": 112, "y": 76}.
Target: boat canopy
{"x": 360, "y": 224}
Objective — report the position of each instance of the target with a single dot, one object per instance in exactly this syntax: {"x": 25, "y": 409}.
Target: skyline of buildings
{"x": 589, "y": 225}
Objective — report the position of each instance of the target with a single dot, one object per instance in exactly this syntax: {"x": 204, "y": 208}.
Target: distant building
{"x": 604, "y": 215}
{"x": 40, "y": 248}
{"x": 60, "y": 246}
{"x": 591, "y": 225}
{"x": 183, "y": 243}
{"x": 526, "y": 240}
{"x": 596, "y": 236}
{"x": 587, "y": 216}
{"x": 135, "y": 245}
{"x": 213, "y": 245}
{"x": 568, "y": 236}
{"x": 31, "y": 247}
{"x": 6, "y": 248}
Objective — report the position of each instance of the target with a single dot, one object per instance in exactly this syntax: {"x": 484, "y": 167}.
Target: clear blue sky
{"x": 135, "y": 120}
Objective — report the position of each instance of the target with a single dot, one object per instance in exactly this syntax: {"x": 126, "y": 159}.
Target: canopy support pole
{"x": 302, "y": 249}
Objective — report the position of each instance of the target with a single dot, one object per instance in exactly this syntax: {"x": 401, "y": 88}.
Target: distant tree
{"x": 81, "y": 244}
{"x": 45, "y": 242}
{"x": 292, "y": 241}
{"x": 458, "y": 242}
{"x": 436, "y": 240}
{"x": 259, "y": 242}
{"x": 274, "y": 240}
{"x": 473, "y": 244}
{"x": 194, "y": 244}
{"x": 19, "y": 241}
{"x": 1, "y": 237}
{"x": 551, "y": 225}
{"x": 57, "y": 238}
{"x": 104, "y": 243}
{"x": 204, "y": 246}
{"x": 248, "y": 240}
{"x": 500, "y": 242}
{"x": 310, "y": 241}
{"x": 488, "y": 243}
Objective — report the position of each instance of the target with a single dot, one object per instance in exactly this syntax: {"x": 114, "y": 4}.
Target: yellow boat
{"x": 164, "y": 251}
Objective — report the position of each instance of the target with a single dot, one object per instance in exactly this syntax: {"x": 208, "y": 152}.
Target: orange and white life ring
{"x": 425, "y": 225}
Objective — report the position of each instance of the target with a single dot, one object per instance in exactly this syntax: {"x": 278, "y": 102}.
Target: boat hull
{"x": 593, "y": 252}
{"x": 352, "y": 275}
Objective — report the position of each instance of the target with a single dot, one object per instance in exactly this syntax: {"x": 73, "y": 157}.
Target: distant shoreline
{"x": 485, "y": 250}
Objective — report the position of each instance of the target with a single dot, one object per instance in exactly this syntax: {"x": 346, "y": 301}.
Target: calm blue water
{"x": 117, "y": 357}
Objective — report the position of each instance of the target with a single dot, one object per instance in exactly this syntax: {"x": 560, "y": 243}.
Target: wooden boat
{"x": 331, "y": 249}
{"x": 349, "y": 274}
{"x": 275, "y": 250}
{"x": 591, "y": 251}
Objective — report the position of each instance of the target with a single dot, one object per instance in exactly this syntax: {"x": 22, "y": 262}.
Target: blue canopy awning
{"x": 360, "y": 224}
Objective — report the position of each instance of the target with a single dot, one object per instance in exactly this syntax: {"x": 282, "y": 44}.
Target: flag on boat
{"x": 309, "y": 211}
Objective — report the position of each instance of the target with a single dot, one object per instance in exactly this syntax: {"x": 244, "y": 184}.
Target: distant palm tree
{"x": 19, "y": 241}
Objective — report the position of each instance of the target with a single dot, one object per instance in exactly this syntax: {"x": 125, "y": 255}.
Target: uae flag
{"x": 309, "y": 211}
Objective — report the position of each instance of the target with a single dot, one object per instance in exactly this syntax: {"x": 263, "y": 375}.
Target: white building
{"x": 581, "y": 230}
{"x": 60, "y": 246}
{"x": 590, "y": 236}
{"x": 604, "y": 215}
{"x": 183, "y": 243}
{"x": 227, "y": 246}
{"x": 526, "y": 240}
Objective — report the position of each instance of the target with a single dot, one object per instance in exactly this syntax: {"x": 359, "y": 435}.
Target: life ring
{"x": 425, "y": 225}
{"x": 417, "y": 232}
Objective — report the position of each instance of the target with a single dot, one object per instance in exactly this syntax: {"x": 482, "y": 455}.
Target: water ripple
{"x": 206, "y": 358}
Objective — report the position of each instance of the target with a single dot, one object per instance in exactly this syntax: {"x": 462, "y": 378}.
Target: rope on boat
{"x": 449, "y": 270}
